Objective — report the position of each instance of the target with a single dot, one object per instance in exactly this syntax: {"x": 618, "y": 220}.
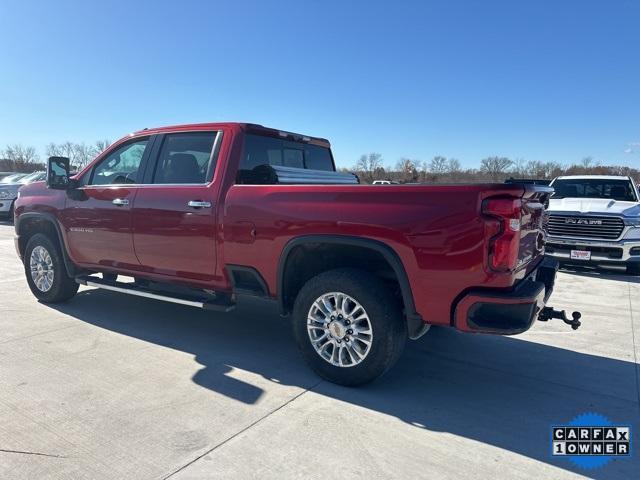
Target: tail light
{"x": 503, "y": 230}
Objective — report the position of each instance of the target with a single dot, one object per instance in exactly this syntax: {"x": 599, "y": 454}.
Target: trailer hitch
{"x": 548, "y": 313}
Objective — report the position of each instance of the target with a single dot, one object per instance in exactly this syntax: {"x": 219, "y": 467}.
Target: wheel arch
{"x": 30, "y": 223}
{"x": 288, "y": 284}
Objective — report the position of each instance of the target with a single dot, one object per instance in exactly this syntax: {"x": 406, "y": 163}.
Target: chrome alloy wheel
{"x": 41, "y": 268}
{"x": 339, "y": 329}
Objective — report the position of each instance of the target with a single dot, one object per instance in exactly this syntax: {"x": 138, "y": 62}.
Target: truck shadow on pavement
{"x": 501, "y": 391}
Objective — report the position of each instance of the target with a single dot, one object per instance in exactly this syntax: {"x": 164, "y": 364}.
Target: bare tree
{"x": 519, "y": 168}
{"x": 379, "y": 173}
{"x": 53, "y": 150}
{"x": 495, "y": 167}
{"x": 19, "y": 158}
{"x": 367, "y": 165}
{"x": 79, "y": 154}
{"x": 552, "y": 169}
{"x": 454, "y": 166}
{"x": 407, "y": 170}
{"x": 535, "y": 169}
{"x": 100, "y": 146}
{"x": 82, "y": 154}
{"x": 20, "y": 154}
{"x": 438, "y": 165}
{"x": 587, "y": 162}
{"x": 66, "y": 149}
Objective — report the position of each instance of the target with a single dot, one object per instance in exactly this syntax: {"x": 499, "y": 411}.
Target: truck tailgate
{"x": 534, "y": 202}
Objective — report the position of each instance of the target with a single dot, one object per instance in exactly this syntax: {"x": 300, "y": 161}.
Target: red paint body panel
{"x": 171, "y": 239}
{"x": 99, "y": 232}
{"x": 438, "y": 231}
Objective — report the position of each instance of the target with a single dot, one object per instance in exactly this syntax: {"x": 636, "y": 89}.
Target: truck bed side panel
{"x": 437, "y": 231}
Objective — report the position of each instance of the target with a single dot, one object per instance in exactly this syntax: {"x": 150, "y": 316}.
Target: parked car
{"x": 9, "y": 191}
{"x": 205, "y": 214}
{"x": 13, "y": 178}
{"x": 385, "y": 182}
{"x": 5, "y": 174}
{"x": 595, "y": 220}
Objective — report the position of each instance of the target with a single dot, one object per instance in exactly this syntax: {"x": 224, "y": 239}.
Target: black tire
{"x": 63, "y": 287}
{"x": 10, "y": 218}
{"x": 633, "y": 268}
{"x": 385, "y": 316}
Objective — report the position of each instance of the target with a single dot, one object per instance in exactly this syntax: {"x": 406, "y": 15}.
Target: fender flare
{"x": 414, "y": 320}
{"x": 72, "y": 270}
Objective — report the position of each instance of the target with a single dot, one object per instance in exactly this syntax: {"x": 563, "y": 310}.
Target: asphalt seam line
{"x": 31, "y": 453}
{"x": 240, "y": 432}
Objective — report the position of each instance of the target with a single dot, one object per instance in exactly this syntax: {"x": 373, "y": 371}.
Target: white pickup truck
{"x": 595, "y": 219}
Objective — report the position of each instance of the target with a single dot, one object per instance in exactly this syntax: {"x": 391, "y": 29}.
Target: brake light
{"x": 504, "y": 232}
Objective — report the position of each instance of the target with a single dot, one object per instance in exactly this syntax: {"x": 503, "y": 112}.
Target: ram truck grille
{"x": 605, "y": 228}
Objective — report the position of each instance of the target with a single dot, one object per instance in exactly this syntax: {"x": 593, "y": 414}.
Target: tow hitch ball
{"x": 548, "y": 313}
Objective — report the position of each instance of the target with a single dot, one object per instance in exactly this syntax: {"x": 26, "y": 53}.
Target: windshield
{"x": 594, "y": 188}
{"x": 33, "y": 177}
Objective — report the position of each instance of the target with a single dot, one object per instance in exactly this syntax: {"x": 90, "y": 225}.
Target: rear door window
{"x": 186, "y": 158}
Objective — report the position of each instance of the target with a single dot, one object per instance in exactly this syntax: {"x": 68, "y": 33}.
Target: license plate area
{"x": 580, "y": 255}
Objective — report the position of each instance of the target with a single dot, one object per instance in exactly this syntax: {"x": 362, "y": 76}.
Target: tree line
{"x": 25, "y": 159}
{"x": 369, "y": 167}
{"x": 439, "y": 169}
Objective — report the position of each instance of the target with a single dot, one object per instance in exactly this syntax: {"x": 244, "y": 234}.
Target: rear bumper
{"x": 507, "y": 311}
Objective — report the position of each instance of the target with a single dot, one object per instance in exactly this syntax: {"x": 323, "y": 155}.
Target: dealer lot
{"x": 112, "y": 386}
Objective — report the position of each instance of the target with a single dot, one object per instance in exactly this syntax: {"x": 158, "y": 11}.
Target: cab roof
{"x": 246, "y": 127}
{"x": 593, "y": 177}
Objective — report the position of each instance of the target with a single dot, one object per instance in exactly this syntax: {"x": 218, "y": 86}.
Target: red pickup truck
{"x": 205, "y": 214}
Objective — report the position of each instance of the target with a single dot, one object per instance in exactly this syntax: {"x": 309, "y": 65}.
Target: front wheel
{"x": 349, "y": 326}
{"x": 45, "y": 270}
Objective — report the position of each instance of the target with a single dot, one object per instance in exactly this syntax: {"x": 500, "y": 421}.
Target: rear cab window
{"x": 264, "y": 150}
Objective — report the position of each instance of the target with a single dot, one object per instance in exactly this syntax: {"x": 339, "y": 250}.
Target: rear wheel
{"x": 45, "y": 270}
{"x": 349, "y": 326}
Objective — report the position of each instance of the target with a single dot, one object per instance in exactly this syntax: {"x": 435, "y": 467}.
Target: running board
{"x": 218, "y": 304}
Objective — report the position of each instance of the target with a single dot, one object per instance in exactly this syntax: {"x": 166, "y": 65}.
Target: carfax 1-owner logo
{"x": 590, "y": 440}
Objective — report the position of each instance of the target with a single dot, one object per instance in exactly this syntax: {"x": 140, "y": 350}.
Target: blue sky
{"x": 539, "y": 80}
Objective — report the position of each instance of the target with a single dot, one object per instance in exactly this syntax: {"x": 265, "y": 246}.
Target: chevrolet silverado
{"x": 205, "y": 214}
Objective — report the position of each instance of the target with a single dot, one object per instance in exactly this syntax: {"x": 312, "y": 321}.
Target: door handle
{"x": 199, "y": 204}
{"x": 120, "y": 201}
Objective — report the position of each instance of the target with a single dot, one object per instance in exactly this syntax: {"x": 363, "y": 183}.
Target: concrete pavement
{"x": 109, "y": 386}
